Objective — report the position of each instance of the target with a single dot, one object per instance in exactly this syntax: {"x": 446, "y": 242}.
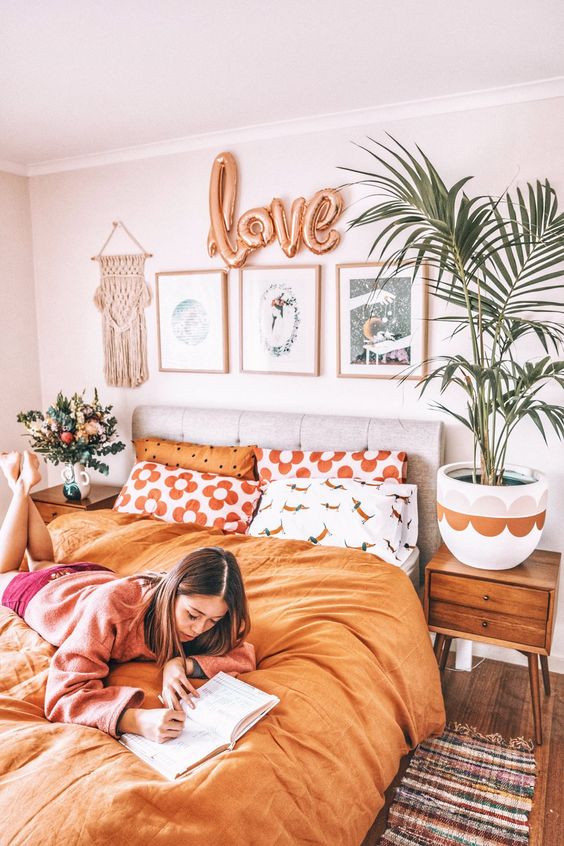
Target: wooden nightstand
{"x": 51, "y": 503}
{"x": 514, "y": 608}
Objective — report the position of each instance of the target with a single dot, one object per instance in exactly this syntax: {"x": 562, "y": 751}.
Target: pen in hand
{"x": 169, "y": 705}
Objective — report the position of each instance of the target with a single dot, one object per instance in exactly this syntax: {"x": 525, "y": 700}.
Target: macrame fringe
{"x": 519, "y": 743}
{"x": 122, "y": 297}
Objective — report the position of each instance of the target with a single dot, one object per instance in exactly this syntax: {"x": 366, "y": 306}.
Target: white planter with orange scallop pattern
{"x": 493, "y": 528}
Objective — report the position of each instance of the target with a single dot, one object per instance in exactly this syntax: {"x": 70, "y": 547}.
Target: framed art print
{"x": 381, "y": 323}
{"x": 279, "y": 319}
{"x": 192, "y": 321}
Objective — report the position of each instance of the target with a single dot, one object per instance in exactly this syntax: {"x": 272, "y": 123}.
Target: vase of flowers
{"x": 74, "y": 432}
{"x": 76, "y": 481}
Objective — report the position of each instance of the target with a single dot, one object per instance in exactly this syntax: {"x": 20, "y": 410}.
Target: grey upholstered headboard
{"x": 421, "y": 439}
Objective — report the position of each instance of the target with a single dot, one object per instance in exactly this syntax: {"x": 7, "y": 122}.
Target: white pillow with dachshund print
{"x": 380, "y": 518}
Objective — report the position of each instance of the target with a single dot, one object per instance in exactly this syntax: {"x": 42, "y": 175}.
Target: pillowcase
{"x": 370, "y": 465}
{"x": 376, "y": 518}
{"x": 176, "y": 495}
{"x": 238, "y": 461}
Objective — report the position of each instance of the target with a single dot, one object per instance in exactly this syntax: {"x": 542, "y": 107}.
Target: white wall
{"x": 19, "y": 364}
{"x": 164, "y": 202}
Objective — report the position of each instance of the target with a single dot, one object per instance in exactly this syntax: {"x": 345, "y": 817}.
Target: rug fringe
{"x": 520, "y": 743}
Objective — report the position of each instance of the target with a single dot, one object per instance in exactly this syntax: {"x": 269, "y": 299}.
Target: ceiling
{"x": 82, "y": 77}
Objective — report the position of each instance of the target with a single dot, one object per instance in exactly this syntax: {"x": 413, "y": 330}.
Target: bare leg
{"x": 13, "y": 532}
{"x": 22, "y": 474}
{"x": 10, "y": 465}
{"x": 39, "y": 543}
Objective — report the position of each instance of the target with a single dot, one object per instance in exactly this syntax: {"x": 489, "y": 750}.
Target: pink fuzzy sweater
{"x": 89, "y": 617}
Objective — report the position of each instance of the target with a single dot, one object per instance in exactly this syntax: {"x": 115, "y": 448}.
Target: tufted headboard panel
{"x": 423, "y": 440}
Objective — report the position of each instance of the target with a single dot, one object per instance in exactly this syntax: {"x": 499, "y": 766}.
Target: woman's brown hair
{"x": 209, "y": 571}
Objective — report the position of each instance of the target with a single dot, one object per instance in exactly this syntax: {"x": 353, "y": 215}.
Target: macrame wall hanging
{"x": 122, "y": 297}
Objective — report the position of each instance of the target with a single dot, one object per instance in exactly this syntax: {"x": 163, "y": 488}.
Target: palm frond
{"x": 497, "y": 263}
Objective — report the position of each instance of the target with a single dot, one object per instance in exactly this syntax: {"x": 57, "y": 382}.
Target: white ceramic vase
{"x": 76, "y": 482}
{"x": 492, "y": 528}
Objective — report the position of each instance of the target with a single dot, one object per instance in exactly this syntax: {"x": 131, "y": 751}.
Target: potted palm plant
{"x": 498, "y": 264}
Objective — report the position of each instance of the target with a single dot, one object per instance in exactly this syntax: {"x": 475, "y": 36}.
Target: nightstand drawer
{"x": 466, "y": 621}
{"x": 49, "y": 511}
{"x": 487, "y": 596}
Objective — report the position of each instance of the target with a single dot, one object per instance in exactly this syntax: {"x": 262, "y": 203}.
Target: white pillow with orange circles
{"x": 186, "y": 496}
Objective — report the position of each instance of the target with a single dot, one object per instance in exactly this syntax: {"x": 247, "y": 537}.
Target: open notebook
{"x": 225, "y": 710}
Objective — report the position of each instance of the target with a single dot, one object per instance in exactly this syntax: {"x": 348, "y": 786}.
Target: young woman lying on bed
{"x": 192, "y": 620}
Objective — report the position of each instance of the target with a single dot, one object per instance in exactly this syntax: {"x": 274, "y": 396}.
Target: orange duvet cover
{"x": 340, "y": 637}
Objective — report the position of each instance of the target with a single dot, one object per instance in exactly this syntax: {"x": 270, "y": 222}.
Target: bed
{"x": 340, "y": 638}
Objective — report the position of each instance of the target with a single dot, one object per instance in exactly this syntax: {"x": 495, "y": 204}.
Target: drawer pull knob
{"x": 484, "y": 625}
{"x": 486, "y": 597}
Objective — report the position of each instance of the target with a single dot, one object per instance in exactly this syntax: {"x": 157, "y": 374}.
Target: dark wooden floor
{"x": 495, "y": 697}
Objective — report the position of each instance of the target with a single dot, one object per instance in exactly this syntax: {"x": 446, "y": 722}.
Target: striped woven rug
{"x": 465, "y": 789}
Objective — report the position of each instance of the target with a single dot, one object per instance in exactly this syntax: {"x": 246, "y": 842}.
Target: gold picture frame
{"x": 279, "y": 319}
{"x": 381, "y": 325}
{"x": 192, "y": 321}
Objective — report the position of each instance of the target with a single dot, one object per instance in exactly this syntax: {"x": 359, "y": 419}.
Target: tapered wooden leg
{"x": 444, "y": 653}
{"x": 545, "y": 675}
{"x": 439, "y": 643}
{"x": 535, "y": 695}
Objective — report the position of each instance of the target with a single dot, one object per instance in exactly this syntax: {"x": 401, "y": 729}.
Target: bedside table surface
{"x": 539, "y": 570}
{"x": 98, "y": 495}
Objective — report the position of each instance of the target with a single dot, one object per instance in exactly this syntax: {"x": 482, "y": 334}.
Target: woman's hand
{"x": 176, "y": 685}
{"x": 157, "y": 724}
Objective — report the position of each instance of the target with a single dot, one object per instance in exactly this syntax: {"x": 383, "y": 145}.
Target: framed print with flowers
{"x": 192, "y": 321}
{"x": 279, "y": 319}
{"x": 381, "y": 323}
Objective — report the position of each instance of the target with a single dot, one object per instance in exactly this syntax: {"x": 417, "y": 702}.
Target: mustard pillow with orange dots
{"x": 237, "y": 461}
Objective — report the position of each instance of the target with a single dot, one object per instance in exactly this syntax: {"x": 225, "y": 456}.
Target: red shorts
{"x": 24, "y": 586}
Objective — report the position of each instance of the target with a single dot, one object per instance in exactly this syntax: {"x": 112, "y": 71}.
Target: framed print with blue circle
{"x": 192, "y": 321}
{"x": 279, "y": 319}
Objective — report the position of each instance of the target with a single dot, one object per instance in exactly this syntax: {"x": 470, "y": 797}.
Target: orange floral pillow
{"x": 238, "y": 461}
{"x": 368, "y": 465}
{"x": 176, "y": 495}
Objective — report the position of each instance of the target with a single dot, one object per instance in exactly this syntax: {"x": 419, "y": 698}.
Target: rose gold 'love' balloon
{"x": 257, "y": 227}
{"x": 289, "y": 239}
{"x": 322, "y": 211}
{"x": 223, "y": 191}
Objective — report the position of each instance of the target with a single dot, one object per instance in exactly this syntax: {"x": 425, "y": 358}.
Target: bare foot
{"x": 10, "y": 466}
{"x": 30, "y": 474}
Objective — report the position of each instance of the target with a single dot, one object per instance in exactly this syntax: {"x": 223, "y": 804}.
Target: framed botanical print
{"x": 192, "y": 321}
{"x": 381, "y": 322}
{"x": 279, "y": 319}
